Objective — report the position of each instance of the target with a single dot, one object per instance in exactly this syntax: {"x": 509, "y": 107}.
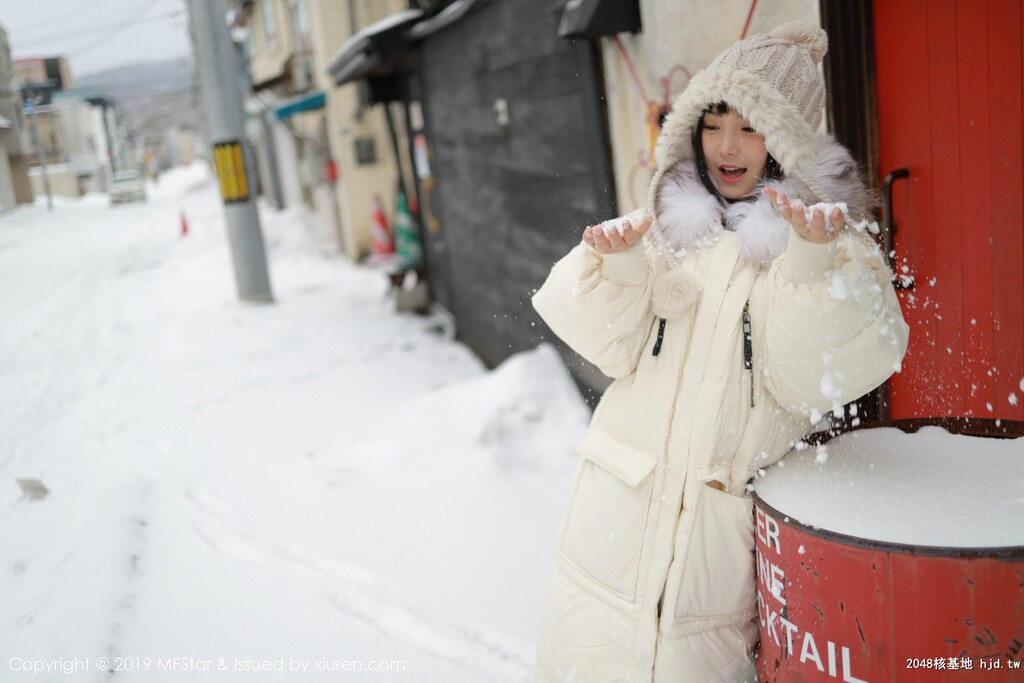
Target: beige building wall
{"x": 346, "y": 207}
{"x": 61, "y": 178}
{"x": 65, "y": 73}
{"x": 77, "y": 136}
{"x": 348, "y": 122}
{"x": 7, "y": 198}
{"x": 272, "y": 39}
{"x": 371, "y": 11}
{"x": 677, "y": 35}
{"x": 46, "y": 127}
{"x": 30, "y": 70}
{"x": 19, "y": 176}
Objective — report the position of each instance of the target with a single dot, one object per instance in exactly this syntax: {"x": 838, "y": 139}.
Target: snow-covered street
{"x": 190, "y": 482}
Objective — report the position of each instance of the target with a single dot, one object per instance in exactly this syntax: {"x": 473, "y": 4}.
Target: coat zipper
{"x": 661, "y": 337}
{"x": 748, "y": 349}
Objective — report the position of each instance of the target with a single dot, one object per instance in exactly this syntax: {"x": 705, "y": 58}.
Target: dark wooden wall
{"x": 509, "y": 201}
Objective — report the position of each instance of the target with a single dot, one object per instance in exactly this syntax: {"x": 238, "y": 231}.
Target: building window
{"x": 300, "y": 22}
{"x": 269, "y": 24}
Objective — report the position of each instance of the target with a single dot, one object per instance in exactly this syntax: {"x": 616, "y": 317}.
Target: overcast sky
{"x": 97, "y": 34}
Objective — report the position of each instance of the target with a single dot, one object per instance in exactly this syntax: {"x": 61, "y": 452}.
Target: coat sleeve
{"x": 600, "y": 305}
{"x": 834, "y": 330}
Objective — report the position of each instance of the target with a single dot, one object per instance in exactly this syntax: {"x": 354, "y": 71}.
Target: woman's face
{"x": 735, "y": 154}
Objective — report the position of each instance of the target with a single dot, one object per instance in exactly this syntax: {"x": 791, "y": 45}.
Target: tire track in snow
{"x": 78, "y": 319}
{"x": 496, "y": 655}
{"x": 361, "y": 594}
{"x": 118, "y": 528}
{"x": 136, "y": 516}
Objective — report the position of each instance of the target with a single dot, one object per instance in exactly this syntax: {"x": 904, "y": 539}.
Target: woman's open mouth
{"x": 732, "y": 174}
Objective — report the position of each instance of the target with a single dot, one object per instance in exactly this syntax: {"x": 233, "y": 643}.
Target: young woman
{"x": 731, "y": 318}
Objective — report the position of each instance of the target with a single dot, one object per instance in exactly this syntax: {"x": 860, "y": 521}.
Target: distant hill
{"x": 132, "y": 80}
{"x": 151, "y": 96}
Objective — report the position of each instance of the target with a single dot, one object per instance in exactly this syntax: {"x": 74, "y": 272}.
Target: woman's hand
{"x": 609, "y": 238}
{"x": 814, "y": 231}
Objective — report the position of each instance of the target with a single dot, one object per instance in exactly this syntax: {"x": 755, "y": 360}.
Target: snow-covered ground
{"x": 193, "y": 487}
{"x": 310, "y": 482}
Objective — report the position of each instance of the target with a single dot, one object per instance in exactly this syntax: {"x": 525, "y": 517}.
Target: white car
{"x": 127, "y": 186}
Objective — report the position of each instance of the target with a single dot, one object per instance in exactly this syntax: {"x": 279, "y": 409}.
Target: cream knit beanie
{"x": 787, "y": 60}
{"x": 773, "y": 80}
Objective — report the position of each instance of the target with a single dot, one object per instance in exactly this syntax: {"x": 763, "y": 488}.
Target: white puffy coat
{"x": 654, "y": 577}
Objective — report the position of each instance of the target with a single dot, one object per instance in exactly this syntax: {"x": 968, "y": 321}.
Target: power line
{"x": 133, "y": 21}
{"x": 82, "y": 33}
{"x": 58, "y": 20}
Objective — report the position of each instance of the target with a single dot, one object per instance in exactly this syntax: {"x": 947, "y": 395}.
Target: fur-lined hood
{"x": 687, "y": 216}
{"x": 771, "y": 80}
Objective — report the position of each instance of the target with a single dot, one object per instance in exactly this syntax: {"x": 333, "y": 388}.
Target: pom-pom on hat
{"x": 772, "y": 80}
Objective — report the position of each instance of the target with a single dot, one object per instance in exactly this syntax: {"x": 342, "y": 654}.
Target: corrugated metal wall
{"x": 509, "y": 200}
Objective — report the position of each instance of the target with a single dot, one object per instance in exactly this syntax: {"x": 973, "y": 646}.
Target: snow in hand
{"x": 615, "y": 226}
{"x": 316, "y": 480}
{"x": 826, "y": 209}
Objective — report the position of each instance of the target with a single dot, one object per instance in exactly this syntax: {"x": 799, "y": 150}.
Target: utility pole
{"x": 219, "y": 71}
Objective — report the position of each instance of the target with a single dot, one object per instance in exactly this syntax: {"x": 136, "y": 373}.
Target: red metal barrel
{"x": 838, "y": 607}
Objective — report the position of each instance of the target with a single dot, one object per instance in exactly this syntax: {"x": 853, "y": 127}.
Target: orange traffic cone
{"x": 382, "y": 243}
{"x": 184, "y": 225}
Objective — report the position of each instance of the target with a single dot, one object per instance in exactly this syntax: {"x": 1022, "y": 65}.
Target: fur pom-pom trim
{"x": 685, "y": 210}
{"x": 763, "y": 233}
{"x": 674, "y": 292}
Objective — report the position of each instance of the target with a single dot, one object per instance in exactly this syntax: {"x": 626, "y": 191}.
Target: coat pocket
{"x": 731, "y": 418}
{"x": 717, "y": 577}
{"x": 605, "y": 528}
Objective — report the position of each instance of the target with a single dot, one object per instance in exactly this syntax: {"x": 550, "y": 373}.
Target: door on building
{"x": 949, "y": 98}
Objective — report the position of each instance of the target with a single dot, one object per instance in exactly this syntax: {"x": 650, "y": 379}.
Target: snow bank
{"x": 930, "y": 488}
{"x": 317, "y": 478}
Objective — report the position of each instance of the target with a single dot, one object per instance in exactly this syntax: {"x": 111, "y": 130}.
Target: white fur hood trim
{"x": 688, "y": 217}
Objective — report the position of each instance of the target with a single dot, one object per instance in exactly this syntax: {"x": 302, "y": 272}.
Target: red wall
{"x": 949, "y": 88}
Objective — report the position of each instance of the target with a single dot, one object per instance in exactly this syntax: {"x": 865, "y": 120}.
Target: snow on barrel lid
{"x": 929, "y": 488}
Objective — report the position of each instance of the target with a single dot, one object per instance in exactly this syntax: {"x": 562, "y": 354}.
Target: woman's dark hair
{"x": 772, "y": 169}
